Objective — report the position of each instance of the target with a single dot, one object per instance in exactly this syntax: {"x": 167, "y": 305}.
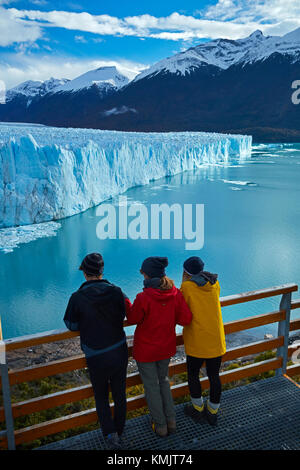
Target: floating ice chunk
{"x": 12, "y": 237}
{"x": 240, "y": 183}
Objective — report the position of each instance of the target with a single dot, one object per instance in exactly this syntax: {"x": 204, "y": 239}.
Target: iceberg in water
{"x": 11, "y": 238}
{"x": 48, "y": 173}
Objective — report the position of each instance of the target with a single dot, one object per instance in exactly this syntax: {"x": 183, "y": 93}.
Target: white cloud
{"x": 81, "y": 39}
{"x": 39, "y": 2}
{"x": 121, "y": 110}
{"x": 223, "y": 10}
{"x": 230, "y": 19}
{"x": 85, "y": 40}
{"x": 83, "y": 21}
{"x": 273, "y": 17}
{"x": 16, "y": 30}
{"x": 262, "y": 11}
{"x": 18, "y": 68}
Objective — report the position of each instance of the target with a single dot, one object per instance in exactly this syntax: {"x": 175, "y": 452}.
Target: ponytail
{"x": 166, "y": 283}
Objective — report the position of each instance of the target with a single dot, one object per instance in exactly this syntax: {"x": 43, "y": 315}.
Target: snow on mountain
{"x": 103, "y": 77}
{"x": 223, "y": 53}
{"x": 32, "y": 88}
{"x": 293, "y": 36}
{"x": 50, "y": 173}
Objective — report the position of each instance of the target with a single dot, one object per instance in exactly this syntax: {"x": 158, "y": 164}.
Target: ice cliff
{"x": 49, "y": 173}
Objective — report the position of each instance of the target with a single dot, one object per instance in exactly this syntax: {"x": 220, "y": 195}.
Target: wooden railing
{"x": 9, "y": 412}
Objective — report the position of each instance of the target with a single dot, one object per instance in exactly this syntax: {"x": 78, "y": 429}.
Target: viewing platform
{"x": 264, "y": 414}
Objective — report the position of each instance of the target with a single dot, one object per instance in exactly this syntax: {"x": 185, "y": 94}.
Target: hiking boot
{"x": 161, "y": 431}
{"x": 211, "y": 416}
{"x": 197, "y": 416}
{"x": 171, "y": 426}
{"x": 112, "y": 441}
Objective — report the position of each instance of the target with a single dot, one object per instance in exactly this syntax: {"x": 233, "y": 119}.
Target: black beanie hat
{"x": 193, "y": 265}
{"x": 92, "y": 264}
{"x": 154, "y": 266}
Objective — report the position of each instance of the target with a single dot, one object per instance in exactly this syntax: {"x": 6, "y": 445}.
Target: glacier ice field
{"x": 48, "y": 173}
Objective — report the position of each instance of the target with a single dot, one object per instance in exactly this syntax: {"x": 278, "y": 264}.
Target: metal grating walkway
{"x": 263, "y": 415}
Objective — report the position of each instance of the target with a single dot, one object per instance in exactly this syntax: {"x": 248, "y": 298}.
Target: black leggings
{"x": 213, "y": 365}
{"x": 110, "y": 368}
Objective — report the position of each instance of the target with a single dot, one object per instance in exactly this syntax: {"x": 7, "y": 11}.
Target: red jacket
{"x": 156, "y": 313}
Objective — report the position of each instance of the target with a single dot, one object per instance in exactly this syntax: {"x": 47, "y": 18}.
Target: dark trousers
{"x": 110, "y": 369}
{"x": 213, "y": 365}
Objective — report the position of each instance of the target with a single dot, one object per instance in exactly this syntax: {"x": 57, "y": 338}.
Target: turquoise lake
{"x": 252, "y": 240}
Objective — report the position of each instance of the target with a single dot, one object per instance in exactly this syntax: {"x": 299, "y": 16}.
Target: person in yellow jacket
{"x": 204, "y": 338}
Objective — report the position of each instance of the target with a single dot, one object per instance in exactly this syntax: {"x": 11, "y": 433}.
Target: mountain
{"x": 103, "y": 77}
{"x": 24, "y": 102}
{"x": 236, "y": 86}
{"x": 32, "y": 88}
{"x": 223, "y": 53}
{"x": 242, "y": 86}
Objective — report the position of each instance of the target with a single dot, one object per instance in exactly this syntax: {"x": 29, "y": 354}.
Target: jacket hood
{"x": 96, "y": 290}
{"x": 160, "y": 294}
{"x": 204, "y": 278}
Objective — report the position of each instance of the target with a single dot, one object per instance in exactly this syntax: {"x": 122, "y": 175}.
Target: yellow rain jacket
{"x": 204, "y": 337}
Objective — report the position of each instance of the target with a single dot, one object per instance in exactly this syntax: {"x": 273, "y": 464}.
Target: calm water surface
{"x": 252, "y": 240}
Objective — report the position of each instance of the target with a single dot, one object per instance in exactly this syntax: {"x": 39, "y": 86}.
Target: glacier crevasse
{"x": 52, "y": 173}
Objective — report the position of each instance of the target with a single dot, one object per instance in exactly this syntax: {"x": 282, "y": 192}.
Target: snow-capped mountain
{"x": 223, "y": 53}
{"x": 237, "y": 86}
{"x": 103, "y": 77}
{"x": 32, "y": 88}
{"x": 62, "y": 97}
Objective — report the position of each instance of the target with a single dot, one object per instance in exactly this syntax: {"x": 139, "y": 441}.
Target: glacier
{"x": 49, "y": 173}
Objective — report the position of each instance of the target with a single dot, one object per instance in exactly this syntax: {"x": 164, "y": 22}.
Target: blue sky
{"x": 43, "y": 38}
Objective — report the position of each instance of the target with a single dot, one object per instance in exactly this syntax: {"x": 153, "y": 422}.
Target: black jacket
{"x": 97, "y": 310}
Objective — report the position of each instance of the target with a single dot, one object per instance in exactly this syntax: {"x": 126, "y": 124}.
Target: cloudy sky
{"x": 43, "y": 38}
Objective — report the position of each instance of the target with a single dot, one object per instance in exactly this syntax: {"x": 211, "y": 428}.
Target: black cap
{"x": 193, "y": 265}
{"x": 154, "y": 266}
{"x": 92, "y": 264}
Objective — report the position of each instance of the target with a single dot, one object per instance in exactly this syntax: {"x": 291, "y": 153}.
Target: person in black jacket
{"x": 97, "y": 310}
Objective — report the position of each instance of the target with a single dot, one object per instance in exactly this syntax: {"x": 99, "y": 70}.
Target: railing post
{"x": 9, "y": 421}
{"x": 283, "y": 330}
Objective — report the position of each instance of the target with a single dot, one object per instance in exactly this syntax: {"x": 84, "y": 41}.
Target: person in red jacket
{"x": 156, "y": 311}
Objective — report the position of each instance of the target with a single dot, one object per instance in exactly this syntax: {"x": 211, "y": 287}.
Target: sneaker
{"x": 112, "y": 441}
{"x": 211, "y": 417}
{"x": 171, "y": 426}
{"x": 197, "y": 416}
{"x": 161, "y": 431}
